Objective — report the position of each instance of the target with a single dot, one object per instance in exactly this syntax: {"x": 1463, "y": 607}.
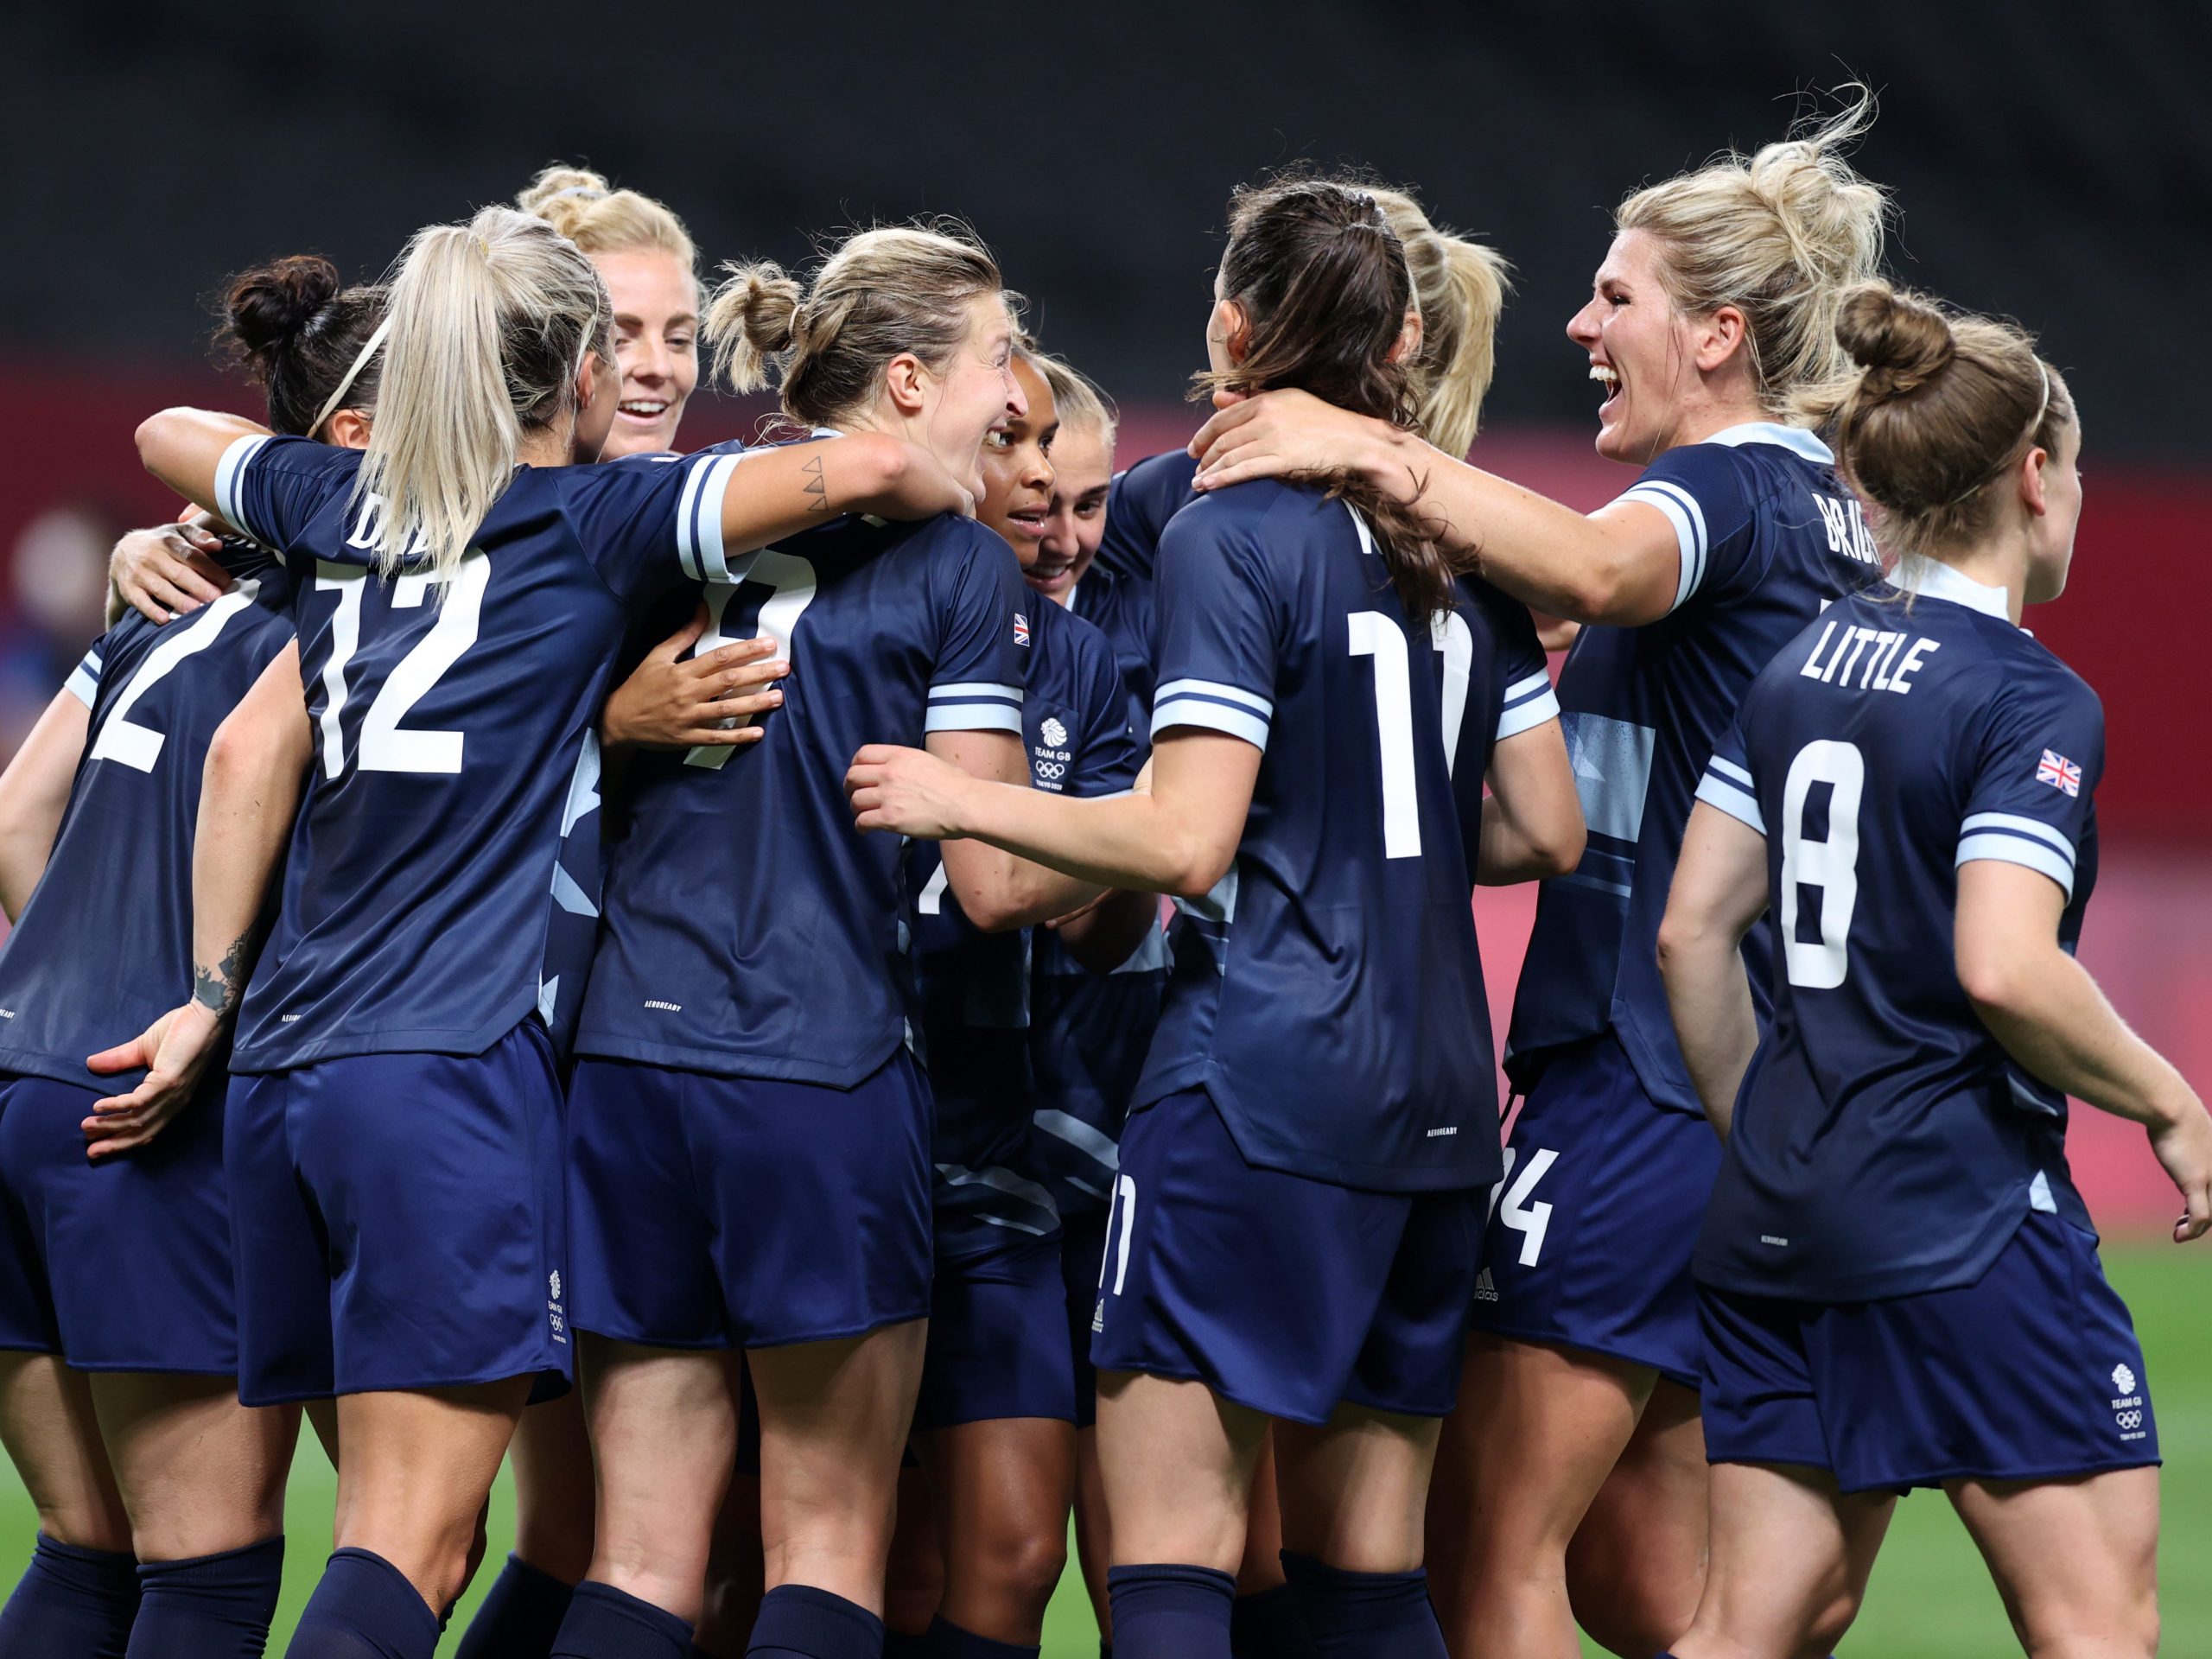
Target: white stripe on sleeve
{"x": 2000, "y": 848}
{"x": 229, "y": 476}
{"x": 84, "y": 681}
{"x": 1528, "y": 714}
{"x": 1214, "y": 707}
{"x": 1688, "y": 518}
{"x": 1739, "y": 803}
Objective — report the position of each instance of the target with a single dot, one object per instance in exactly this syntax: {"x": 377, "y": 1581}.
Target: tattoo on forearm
{"x": 816, "y": 487}
{"x": 218, "y": 988}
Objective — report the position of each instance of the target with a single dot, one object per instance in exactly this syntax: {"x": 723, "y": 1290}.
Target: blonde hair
{"x": 598, "y": 219}
{"x": 895, "y": 288}
{"x": 1080, "y": 404}
{"x": 1461, "y": 287}
{"x": 1779, "y": 235}
{"x": 1939, "y": 410}
{"x": 491, "y": 323}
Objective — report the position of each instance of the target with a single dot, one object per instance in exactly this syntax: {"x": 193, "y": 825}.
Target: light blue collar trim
{"x": 1933, "y": 579}
{"x": 1795, "y": 439}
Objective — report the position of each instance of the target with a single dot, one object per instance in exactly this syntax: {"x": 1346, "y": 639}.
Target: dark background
{"x": 2050, "y": 161}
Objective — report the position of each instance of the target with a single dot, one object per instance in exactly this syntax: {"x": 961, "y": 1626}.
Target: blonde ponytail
{"x": 1461, "y": 287}
{"x": 490, "y": 323}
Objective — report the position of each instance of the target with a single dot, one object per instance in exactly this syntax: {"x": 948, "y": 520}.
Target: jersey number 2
{"x": 1830, "y": 865}
{"x": 1375, "y": 635}
{"x": 385, "y": 747}
{"x": 122, "y": 738}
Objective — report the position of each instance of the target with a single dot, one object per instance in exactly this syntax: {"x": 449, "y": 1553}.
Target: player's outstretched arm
{"x": 779, "y": 491}
{"x": 999, "y": 889}
{"x": 1532, "y": 819}
{"x": 183, "y": 446}
{"x": 1179, "y": 839}
{"x": 248, "y": 799}
{"x": 1621, "y": 565}
{"x": 2051, "y": 1016}
{"x": 34, "y": 792}
{"x": 1720, "y": 891}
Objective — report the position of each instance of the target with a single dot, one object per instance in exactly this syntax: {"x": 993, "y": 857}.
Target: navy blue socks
{"x": 800, "y": 1622}
{"x": 364, "y": 1608}
{"x": 71, "y": 1604}
{"x": 208, "y": 1606}
{"x": 1267, "y": 1624}
{"x": 1374, "y": 1615}
{"x": 1171, "y": 1611}
{"x": 520, "y": 1616}
{"x": 948, "y": 1641}
{"x": 604, "y": 1623}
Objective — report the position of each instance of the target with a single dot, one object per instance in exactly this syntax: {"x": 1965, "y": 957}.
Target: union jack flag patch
{"x": 2059, "y": 773}
{"x": 1021, "y": 637}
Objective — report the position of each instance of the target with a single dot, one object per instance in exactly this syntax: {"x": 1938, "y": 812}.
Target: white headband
{"x": 345, "y": 385}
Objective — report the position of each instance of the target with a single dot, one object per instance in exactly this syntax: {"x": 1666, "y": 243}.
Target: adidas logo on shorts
{"x": 1484, "y": 1290}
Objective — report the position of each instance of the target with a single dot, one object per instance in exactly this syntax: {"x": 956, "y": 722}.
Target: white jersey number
{"x": 1830, "y": 865}
{"x": 1373, "y": 634}
{"x": 138, "y": 746}
{"x": 790, "y": 580}
{"x": 1531, "y": 1221}
{"x": 386, "y": 746}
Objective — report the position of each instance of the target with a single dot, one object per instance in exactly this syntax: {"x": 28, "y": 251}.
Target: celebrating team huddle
{"x": 534, "y": 944}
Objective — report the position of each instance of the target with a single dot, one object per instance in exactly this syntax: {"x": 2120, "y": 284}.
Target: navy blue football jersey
{"x": 974, "y": 986}
{"x": 1884, "y": 1143}
{"x": 452, "y": 727}
{"x": 1767, "y": 535}
{"x": 104, "y": 945}
{"x": 1328, "y": 993}
{"x": 1120, "y": 607}
{"x": 1143, "y": 498}
{"x": 749, "y": 930}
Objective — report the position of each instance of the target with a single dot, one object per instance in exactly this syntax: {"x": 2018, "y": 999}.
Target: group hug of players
{"x": 689, "y": 923}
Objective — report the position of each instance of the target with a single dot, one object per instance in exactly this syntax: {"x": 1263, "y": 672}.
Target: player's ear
{"x": 905, "y": 381}
{"x": 2033, "y": 484}
{"x": 596, "y": 378}
{"x": 348, "y": 429}
{"x": 1408, "y": 346}
{"x": 1717, "y": 335}
{"x": 1232, "y": 327}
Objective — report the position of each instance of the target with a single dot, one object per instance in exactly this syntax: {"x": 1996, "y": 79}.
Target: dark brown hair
{"x": 1939, "y": 408}
{"x": 295, "y": 329}
{"x": 1326, "y": 289}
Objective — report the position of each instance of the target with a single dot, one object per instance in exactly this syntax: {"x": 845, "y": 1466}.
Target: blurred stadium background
{"x": 2047, "y": 163}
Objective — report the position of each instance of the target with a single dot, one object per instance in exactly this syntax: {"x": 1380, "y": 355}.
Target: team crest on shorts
{"x": 555, "y": 1315}
{"x": 2128, "y": 1404}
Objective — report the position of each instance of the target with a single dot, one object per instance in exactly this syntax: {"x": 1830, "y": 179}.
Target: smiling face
{"x": 656, "y": 344}
{"x": 1083, "y": 468}
{"x": 1017, "y": 468}
{"x": 971, "y": 394}
{"x": 1642, "y": 351}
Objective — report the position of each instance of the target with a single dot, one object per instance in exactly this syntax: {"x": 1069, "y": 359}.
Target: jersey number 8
{"x": 1830, "y": 865}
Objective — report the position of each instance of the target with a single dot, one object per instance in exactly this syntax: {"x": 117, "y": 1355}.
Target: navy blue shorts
{"x": 2033, "y": 1373}
{"x": 1082, "y": 1252}
{"x": 997, "y": 1347}
{"x": 708, "y": 1212}
{"x": 122, "y": 1266}
{"x": 1590, "y": 1230}
{"x": 1284, "y": 1294}
{"x": 398, "y": 1220}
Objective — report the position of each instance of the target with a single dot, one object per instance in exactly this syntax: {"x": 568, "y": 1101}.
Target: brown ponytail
{"x": 296, "y": 330}
{"x": 1325, "y": 289}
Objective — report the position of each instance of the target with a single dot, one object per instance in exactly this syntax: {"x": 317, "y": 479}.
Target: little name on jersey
{"x": 1878, "y": 656}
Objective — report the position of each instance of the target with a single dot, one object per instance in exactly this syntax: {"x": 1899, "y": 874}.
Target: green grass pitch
{"x": 1929, "y": 1599}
